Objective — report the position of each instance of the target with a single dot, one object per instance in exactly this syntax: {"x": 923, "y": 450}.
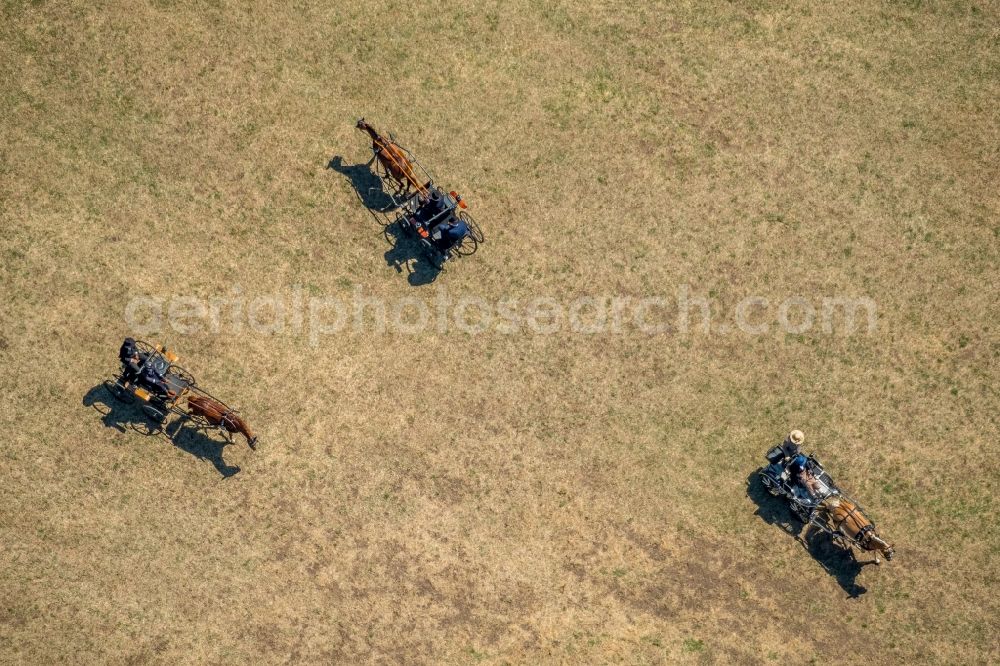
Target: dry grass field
{"x": 501, "y": 497}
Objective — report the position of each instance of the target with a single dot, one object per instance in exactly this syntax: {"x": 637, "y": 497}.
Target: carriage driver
{"x": 433, "y": 208}
{"x": 131, "y": 363}
{"x": 154, "y": 382}
{"x": 135, "y": 371}
{"x": 798, "y": 467}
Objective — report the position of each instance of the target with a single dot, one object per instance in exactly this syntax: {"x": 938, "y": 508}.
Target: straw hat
{"x": 796, "y": 437}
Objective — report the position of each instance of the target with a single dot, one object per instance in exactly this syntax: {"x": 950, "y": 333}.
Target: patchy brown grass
{"x": 586, "y": 501}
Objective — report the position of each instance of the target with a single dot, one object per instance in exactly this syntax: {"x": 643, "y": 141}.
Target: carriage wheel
{"x": 474, "y": 229}
{"x": 402, "y": 224}
{"x": 769, "y": 485}
{"x": 390, "y": 235}
{"x": 156, "y": 413}
{"x": 182, "y": 374}
{"x": 470, "y": 243}
{"x": 119, "y": 392}
{"x": 466, "y": 246}
{"x": 144, "y": 348}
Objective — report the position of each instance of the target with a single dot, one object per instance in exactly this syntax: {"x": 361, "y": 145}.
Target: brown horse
{"x": 218, "y": 414}
{"x": 393, "y": 159}
{"x": 851, "y": 526}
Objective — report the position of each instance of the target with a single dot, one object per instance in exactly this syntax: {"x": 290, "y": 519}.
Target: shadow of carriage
{"x": 125, "y": 416}
{"x": 405, "y": 253}
{"x": 838, "y": 562}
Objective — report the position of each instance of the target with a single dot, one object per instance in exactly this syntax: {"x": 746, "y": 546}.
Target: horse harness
{"x": 862, "y": 534}
{"x": 226, "y": 416}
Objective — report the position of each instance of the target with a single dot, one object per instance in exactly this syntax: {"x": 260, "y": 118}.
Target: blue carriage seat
{"x": 450, "y": 233}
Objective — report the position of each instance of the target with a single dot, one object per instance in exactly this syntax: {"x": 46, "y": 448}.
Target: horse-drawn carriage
{"x": 817, "y": 501}
{"x": 150, "y": 375}
{"x": 438, "y": 219}
{"x": 781, "y": 481}
{"x": 441, "y": 223}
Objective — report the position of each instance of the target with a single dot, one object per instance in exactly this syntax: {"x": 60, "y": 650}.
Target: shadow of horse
{"x": 836, "y": 561}
{"x": 203, "y": 447}
{"x": 366, "y": 185}
{"x": 123, "y": 417}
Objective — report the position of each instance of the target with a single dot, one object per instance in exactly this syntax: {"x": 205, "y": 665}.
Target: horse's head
{"x": 361, "y": 124}
{"x": 242, "y": 427}
{"x": 873, "y": 541}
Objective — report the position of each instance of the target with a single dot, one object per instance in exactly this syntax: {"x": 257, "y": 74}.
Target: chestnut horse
{"x": 848, "y": 523}
{"x": 218, "y": 414}
{"x": 393, "y": 159}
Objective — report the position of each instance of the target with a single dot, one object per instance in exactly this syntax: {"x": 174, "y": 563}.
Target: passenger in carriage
{"x": 791, "y": 446}
{"x": 135, "y": 371}
{"x": 152, "y": 381}
{"x": 797, "y": 465}
{"x": 131, "y": 362}
{"x": 451, "y": 233}
{"x": 798, "y": 469}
